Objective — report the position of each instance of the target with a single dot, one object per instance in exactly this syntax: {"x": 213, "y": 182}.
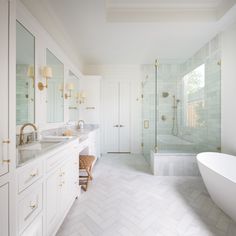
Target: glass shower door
{"x": 148, "y": 110}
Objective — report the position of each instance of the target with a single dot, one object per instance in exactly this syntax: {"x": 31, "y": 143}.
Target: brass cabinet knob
{"x": 33, "y": 206}
{"x": 34, "y": 174}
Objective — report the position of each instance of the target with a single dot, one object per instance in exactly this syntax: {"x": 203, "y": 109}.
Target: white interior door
{"x": 4, "y": 85}
{"x": 4, "y": 210}
{"x": 111, "y": 117}
{"x": 124, "y": 117}
{"x": 116, "y": 113}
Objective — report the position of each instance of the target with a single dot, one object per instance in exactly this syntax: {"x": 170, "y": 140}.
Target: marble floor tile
{"x": 125, "y": 199}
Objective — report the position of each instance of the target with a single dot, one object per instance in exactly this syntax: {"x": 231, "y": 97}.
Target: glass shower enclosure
{"x": 181, "y": 111}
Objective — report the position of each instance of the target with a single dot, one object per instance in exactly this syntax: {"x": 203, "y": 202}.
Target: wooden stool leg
{"x": 89, "y": 174}
{"x": 85, "y": 186}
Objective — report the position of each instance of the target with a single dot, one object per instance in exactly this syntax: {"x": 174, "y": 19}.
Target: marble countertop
{"x": 32, "y": 151}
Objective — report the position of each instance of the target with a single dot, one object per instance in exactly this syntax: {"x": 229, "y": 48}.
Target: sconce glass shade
{"x": 47, "y": 72}
{"x": 30, "y": 72}
{"x": 70, "y": 86}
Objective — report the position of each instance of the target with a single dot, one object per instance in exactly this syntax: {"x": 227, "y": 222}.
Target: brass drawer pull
{"x": 33, "y": 207}
{"x": 5, "y": 151}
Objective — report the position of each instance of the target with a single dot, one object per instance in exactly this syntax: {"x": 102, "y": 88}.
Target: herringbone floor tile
{"x": 124, "y": 199}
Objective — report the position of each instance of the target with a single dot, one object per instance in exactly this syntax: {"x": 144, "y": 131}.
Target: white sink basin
{"x": 52, "y": 138}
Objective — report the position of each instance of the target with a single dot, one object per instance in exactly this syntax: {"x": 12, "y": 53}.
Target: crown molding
{"x": 167, "y": 11}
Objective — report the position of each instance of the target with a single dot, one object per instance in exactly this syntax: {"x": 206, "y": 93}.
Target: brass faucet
{"x": 22, "y": 129}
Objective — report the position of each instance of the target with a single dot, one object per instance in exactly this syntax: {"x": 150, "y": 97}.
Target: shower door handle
{"x": 121, "y": 126}
{"x": 116, "y": 126}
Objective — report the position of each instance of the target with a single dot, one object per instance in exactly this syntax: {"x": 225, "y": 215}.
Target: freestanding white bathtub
{"x": 218, "y": 171}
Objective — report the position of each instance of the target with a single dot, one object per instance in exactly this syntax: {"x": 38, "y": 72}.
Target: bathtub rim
{"x": 201, "y": 156}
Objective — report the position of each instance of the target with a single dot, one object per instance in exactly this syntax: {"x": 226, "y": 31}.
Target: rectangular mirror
{"x": 25, "y": 76}
{"x": 73, "y": 96}
{"x": 55, "y": 89}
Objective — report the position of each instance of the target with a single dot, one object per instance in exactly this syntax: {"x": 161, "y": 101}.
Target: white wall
{"x": 130, "y": 73}
{"x": 228, "y": 93}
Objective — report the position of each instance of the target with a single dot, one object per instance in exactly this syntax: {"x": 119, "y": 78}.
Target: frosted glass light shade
{"x": 70, "y": 86}
{"x": 47, "y": 72}
{"x": 30, "y": 72}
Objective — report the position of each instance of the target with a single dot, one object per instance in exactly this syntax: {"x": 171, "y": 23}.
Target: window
{"x": 194, "y": 102}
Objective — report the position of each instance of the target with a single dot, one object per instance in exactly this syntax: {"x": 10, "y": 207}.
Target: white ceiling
{"x": 134, "y": 31}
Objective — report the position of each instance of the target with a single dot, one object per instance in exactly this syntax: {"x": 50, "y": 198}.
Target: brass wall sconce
{"x": 47, "y": 74}
{"x": 80, "y": 97}
{"x": 69, "y": 87}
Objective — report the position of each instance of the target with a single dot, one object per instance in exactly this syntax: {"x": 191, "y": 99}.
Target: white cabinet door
{"x": 66, "y": 188}
{"x": 124, "y": 113}
{"x": 4, "y": 216}
{"x": 4, "y": 86}
{"x": 35, "y": 228}
{"x": 69, "y": 181}
{"x": 53, "y": 192}
{"x": 61, "y": 190}
{"x": 111, "y": 116}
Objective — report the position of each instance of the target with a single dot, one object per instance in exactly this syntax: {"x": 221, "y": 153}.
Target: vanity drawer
{"x": 35, "y": 228}
{"x": 83, "y": 145}
{"x": 57, "y": 158}
{"x": 29, "y": 207}
{"x": 28, "y": 175}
